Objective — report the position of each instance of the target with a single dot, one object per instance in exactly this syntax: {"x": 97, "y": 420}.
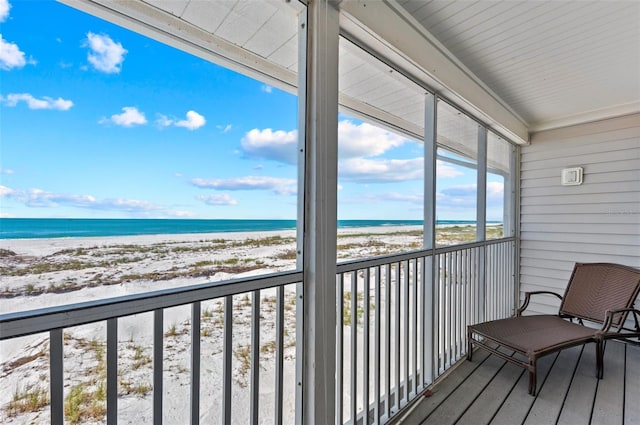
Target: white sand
{"x": 24, "y": 361}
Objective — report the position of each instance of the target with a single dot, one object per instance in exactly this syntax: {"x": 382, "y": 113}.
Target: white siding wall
{"x": 596, "y": 221}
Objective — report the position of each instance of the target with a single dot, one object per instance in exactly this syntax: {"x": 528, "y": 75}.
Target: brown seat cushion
{"x": 534, "y": 334}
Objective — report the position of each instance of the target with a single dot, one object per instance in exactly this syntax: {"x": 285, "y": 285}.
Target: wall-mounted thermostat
{"x": 572, "y": 176}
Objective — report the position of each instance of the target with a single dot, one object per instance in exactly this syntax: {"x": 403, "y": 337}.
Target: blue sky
{"x": 98, "y": 121}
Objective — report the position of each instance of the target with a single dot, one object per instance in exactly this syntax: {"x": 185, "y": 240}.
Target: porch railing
{"x": 402, "y": 321}
{"x": 401, "y": 324}
{"x": 280, "y": 291}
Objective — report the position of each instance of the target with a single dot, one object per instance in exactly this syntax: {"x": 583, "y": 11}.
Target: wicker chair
{"x": 601, "y": 293}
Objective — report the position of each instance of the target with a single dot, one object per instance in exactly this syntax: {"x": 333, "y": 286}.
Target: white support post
{"x": 516, "y": 162}
{"x": 320, "y": 214}
{"x": 481, "y": 214}
{"x": 430, "y": 158}
{"x": 481, "y": 218}
{"x": 302, "y": 120}
{"x": 509, "y": 209}
{"x": 430, "y": 173}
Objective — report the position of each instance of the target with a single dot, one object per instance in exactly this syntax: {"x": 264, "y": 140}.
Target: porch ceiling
{"x": 553, "y": 63}
{"x": 529, "y": 65}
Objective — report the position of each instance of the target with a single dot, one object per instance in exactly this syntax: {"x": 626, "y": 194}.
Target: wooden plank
{"x": 632, "y": 386}
{"x": 546, "y": 408}
{"x": 609, "y": 403}
{"x": 488, "y": 403}
{"x": 568, "y": 391}
{"x": 455, "y": 405}
{"x": 444, "y": 388}
{"x": 518, "y": 402}
{"x": 579, "y": 402}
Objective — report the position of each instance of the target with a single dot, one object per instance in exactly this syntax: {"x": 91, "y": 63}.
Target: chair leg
{"x": 600, "y": 344}
{"x": 533, "y": 384}
{"x": 469, "y": 345}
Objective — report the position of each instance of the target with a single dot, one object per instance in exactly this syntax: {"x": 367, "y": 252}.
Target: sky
{"x": 97, "y": 121}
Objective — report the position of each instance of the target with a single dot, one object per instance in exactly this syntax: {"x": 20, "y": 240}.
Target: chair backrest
{"x": 595, "y": 288}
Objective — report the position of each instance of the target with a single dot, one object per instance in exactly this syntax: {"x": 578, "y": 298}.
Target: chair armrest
{"x": 610, "y": 316}
{"x": 527, "y": 296}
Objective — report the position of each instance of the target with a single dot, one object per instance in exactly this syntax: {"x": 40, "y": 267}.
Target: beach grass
{"x": 30, "y": 399}
{"x": 71, "y": 269}
{"x": 86, "y": 399}
{"x": 189, "y": 261}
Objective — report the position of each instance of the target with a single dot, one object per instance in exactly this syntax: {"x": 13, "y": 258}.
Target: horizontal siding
{"x": 573, "y": 208}
{"x": 580, "y": 256}
{"x": 582, "y": 146}
{"x": 598, "y": 221}
{"x": 567, "y": 199}
{"x": 599, "y": 230}
{"x": 618, "y": 177}
{"x": 550, "y": 237}
{"x": 626, "y": 164}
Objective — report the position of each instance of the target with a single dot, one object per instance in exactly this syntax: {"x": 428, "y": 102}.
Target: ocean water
{"x": 24, "y": 228}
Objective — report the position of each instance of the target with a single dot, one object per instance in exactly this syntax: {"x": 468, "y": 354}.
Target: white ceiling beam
{"x": 169, "y": 29}
{"x": 377, "y": 20}
{"x": 587, "y": 117}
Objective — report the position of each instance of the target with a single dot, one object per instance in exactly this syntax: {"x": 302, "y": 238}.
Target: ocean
{"x": 27, "y": 228}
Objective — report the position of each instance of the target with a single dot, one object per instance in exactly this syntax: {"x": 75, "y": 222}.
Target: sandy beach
{"x": 39, "y": 273}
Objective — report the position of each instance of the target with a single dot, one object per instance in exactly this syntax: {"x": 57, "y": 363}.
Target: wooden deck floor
{"x": 489, "y": 390}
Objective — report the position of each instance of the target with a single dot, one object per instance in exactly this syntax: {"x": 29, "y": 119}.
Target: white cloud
{"x": 383, "y": 198}
{"x": 129, "y": 117}
{"x": 45, "y": 102}
{"x": 363, "y": 140}
{"x": 5, "y": 171}
{"x": 194, "y": 121}
{"x": 403, "y": 197}
{"x": 445, "y": 170}
{"x": 266, "y": 88}
{"x": 495, "y": 190}
{"x": 462, "y": 196}
{"x": 181, "y": 214}
{"x": 5, "y": 191}
{"x": 268, "y": 144}
{"x": 354, "y": 140}
{"x": 4, "y": 10}
{"x": 37, "y": 198}
{"x": 224, "y": 128}
{"x": 11, "y": 56}
{"x": 163, "y": 121}
{"x": 280, "y": 186}
{"x": 105, "y": 54}
{"x": 380, "y": 170}
{"x": 217, "y": 199}
{"x": 413, "y": 202}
